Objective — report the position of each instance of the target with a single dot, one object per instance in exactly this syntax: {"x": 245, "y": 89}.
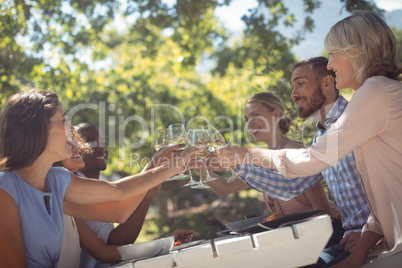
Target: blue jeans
{"x": 333, "y": 255}
{"x": 330, "y": 256}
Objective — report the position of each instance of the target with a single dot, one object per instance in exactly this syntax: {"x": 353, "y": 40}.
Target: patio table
{"x": 291, "y": 246}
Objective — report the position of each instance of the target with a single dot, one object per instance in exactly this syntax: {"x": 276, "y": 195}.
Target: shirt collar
{"x": 333, "y": 114}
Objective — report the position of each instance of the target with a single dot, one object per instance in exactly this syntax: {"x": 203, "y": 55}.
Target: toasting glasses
{"x": 198, "y": 137}
{"x": 176, "y": 134}
{"x": 160, "y": 140}
{"x": 217, "y": 141}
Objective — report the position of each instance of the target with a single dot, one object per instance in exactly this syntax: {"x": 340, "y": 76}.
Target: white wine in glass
{"x": 177, "y": 140}
{"x": 198, "y": 138}
{"x": 177, "y": 135}
{"x": 160, "y": 138}
{"x": 217, "y": 142}
{"x": 215, "y": 145}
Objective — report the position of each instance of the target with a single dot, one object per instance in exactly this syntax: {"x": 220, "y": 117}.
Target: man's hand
{"x": 350, "y": 240}
{"x": 365, "y": 242}
{"x": 348, "y": 243}
{"x": 182, "y": 235}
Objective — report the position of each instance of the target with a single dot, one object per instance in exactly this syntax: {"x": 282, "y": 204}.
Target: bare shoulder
{"x": 11, "y": 244}
{"x": 7, "y": 201}
{"x": 9, "y": 207}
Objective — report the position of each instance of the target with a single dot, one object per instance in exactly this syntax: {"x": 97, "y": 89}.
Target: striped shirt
{"x": 342, "y": 180}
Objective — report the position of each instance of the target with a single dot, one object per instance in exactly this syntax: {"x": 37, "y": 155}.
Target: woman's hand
{"x": 175, "y": 158}
{"x": 231, "y": 156}
{"x": 165, "y": 155}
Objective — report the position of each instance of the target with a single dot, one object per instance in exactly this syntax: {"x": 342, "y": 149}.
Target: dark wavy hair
{"x": 24, "y": 127}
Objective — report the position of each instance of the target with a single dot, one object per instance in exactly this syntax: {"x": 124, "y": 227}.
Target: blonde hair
{"x": 272, "y": 102}
{"x": 369, "y": 44}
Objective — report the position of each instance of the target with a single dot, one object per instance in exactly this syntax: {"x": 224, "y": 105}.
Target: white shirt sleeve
{"x": 101, "y": 229}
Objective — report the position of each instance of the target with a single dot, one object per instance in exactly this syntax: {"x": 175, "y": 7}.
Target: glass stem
{"x": 207, "y": 171}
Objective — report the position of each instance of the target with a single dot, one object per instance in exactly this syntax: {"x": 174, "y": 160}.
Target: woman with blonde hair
{"x": 363, "y": 54}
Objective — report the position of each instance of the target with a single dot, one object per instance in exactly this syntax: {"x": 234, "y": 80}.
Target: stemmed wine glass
{"x": 160, "y": 140}
{"x": 207, "y": 143}
{"x": 176, "y": 134}
{"x": 199, "y": 138}
{"x": 217, "y": 142}
{"x": 192, "y": 182}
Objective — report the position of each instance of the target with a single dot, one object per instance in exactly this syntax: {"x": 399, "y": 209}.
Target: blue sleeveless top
{"x": 42, "y": 226}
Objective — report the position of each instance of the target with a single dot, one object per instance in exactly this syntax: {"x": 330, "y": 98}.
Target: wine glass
{"x": 160, "y": 140}
{"x": 199, "y": 138}
{"x": 191, "y": 182}
{"x": 206, "y": 142}
{"x": 176, "y": 134}
{"x": 217, "y": 142}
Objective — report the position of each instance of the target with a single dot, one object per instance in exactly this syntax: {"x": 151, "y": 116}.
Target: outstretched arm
{"x": 90, "y": 191}
{"x": 117, "y": 212}
{"x": 263, "y": 180}
{"x": 220, "y": 186}
{"x": 275, "y": 184}
{"x": 230, "y": 156}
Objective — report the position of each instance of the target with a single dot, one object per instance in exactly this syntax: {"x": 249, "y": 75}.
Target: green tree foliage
{"x": 352, "y": 5}
{"x": 33, "y": 33}
{"x": 398, "y": 36}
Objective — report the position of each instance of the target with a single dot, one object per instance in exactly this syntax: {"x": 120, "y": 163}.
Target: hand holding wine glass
{"x": 217, "y": 142}
{"x": 165, "y": 156}
{"x": 176, "y": 134}
{"x": 198, "y": 138}
{"x": 164, "y": 153}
